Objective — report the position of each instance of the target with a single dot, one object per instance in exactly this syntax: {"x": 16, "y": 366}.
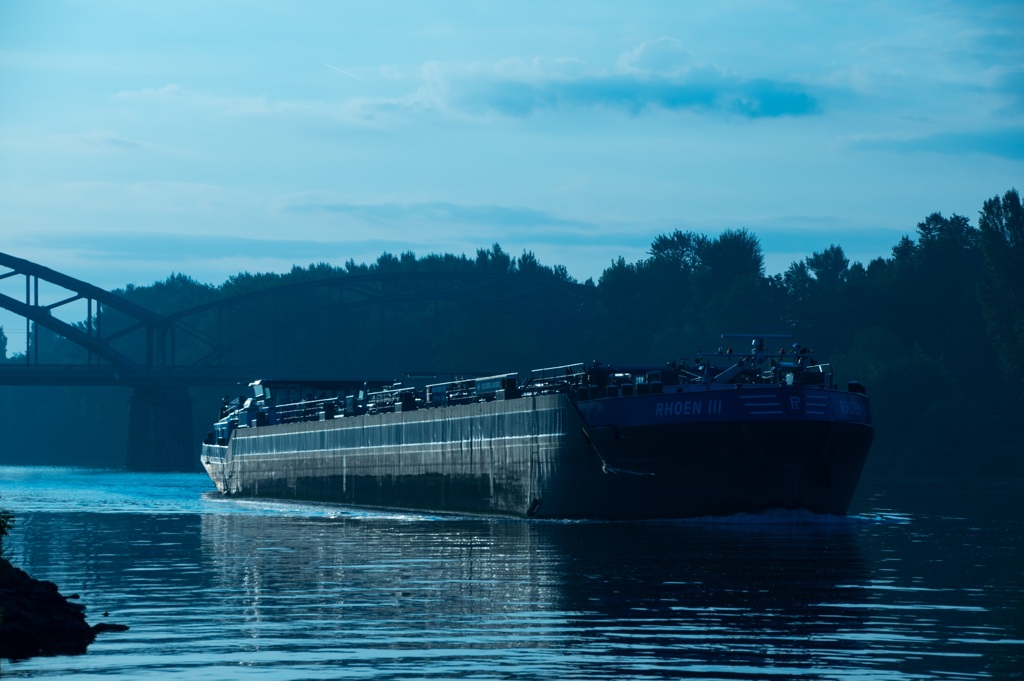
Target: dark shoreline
{"x": 37, "y": 620}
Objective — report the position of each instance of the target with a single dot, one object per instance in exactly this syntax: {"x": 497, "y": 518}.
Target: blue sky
{"x": 139, "y": 139}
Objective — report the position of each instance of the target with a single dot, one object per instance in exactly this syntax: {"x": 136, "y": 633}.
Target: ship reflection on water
{"x": 684, "y": 595}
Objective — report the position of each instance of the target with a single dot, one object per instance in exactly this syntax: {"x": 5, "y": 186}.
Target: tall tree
{"x": 682, "y": 249}
{"x": 735, "y": 253}
{"x": 494, "y": 261}
{"x": 1002, "y": 294}
{"x": 830, "y": 267}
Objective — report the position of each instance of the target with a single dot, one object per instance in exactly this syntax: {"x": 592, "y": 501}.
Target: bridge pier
{"x": 160, "y": 434}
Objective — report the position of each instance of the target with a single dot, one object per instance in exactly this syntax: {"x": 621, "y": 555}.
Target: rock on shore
{"x": 35, "y": 619}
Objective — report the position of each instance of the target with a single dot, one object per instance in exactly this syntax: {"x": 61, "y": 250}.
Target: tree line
{"x": 935, "y": 329}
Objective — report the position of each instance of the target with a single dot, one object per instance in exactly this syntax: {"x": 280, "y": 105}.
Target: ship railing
{"x": 391, "y": 400}
{"x": 230, "y": 407}
{"x": 623, "y": 380}
{"x": 308, "y": 410}
{"x": 799, "y": 370}
{"x": 767, "y": 368}
{"x": 467, "y": 390}
{"x": 818, "y": 374}
{"x": 564, "y": 372}
{"x": 552, "y": 380}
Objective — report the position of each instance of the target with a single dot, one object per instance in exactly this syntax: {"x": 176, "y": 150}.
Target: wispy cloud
{"x": 657, "y": 75}
{"x": 1010, "y": 83}
{"x": 96, "y": 141}
{"x": 662, "y": 55}
{"x": 1006, "y": 143}
{"x": 166, "y": 247}
{"x": 257, "y": 105}
{"x": 701, "y": 93}
{"x": 438, "y": 212}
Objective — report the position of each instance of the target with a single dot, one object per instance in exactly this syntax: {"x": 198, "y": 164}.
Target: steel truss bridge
{"x": 125, "y": 344}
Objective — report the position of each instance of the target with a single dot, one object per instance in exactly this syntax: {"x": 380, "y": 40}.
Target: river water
{"x": 922, "y": 581}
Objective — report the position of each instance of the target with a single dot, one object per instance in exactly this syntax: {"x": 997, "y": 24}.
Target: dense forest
{"x": 935, "y": 331}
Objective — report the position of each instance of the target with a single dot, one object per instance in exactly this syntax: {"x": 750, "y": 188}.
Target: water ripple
{"x": 224, "y": 589}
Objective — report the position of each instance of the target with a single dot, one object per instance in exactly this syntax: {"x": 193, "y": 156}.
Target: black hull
{"x": 720, "y": 469}
{"x": 549, "y": 457}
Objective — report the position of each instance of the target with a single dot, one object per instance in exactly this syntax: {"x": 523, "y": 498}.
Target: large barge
{"x": 726, "y": 433}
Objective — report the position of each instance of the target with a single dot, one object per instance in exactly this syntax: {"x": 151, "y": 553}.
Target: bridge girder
{"x": 154, "y": 325}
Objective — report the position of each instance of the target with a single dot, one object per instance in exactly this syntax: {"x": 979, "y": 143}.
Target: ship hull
{"x": 652, "y": 456}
